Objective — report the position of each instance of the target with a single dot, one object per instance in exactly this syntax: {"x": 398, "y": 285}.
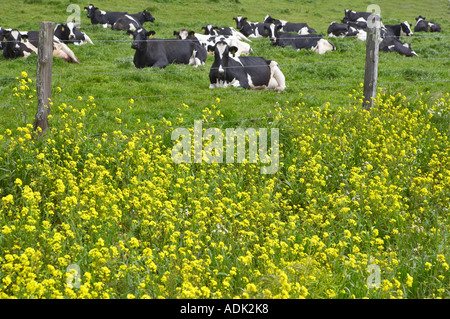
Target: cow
{"x": 151, "y": 52}
{"x": 354, "y": 16}
{"x": 397, "y": 30}
{"x": 250, "y": 29}
{"x": 392, "y": 44}
{"x": 423, "y": 25}
{"x": 14, "y": 45}
{"x": 26, "y": 42}
{"x": 209, "y": 40}
{"x": 246, "y": 72}
{"x": 211, "y": 30}
{"x": 132, "y": 21}
{"x": 105, "y": 18}
{"x": 69, "y": 33}
{"x": 341, "y": 30}
{"x": 299, "y": 28}
{"x": 1, "y": 39}
{"x": 317, "y": 43}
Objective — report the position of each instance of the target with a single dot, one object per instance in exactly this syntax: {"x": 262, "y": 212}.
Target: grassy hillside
{"x": 357, "y": 209}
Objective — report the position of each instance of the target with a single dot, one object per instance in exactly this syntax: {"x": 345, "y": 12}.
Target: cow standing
{"x": 247, "y": 72}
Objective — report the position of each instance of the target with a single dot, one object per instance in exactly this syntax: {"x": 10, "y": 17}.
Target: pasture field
{"x": 359, "y": 207}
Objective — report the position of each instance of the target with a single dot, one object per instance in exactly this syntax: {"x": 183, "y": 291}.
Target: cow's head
{"x": 91, "y": 9}
{"x": 406, "y": 29}
{"x": 222, "y": 54}
{"x": 240, "y": 22}
{"x": 148, "y": 16}
{"x": 12, "y": 40}
{"x": 269, "y": 19}
{"x": 420, "y": 18}
{"x": 210, "y": 30}
{"x": 184, "y": 34}
{"x": 140, "y": 36}
{"x": 271, "y": 31}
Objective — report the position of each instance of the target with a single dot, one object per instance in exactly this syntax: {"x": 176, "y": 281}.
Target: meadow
{"x": 359, "y": 207}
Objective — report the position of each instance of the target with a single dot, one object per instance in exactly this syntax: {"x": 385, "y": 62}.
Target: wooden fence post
{"x": 44, "y": 76}
{"x": 371, "y": 69}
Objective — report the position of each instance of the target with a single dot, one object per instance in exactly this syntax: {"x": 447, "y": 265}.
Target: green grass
{"x": 107, "y": 72}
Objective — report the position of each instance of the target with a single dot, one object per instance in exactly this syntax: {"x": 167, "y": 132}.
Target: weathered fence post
{"x": 44, "y": 76}
{"x": 371, "y": 70}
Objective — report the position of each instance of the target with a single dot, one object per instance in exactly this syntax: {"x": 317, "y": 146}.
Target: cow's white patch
{"x": 303, "y": 31}
{"x": 323, "y": 46}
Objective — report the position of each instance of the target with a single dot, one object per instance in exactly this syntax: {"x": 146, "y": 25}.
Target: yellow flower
{"x": 24, "y": 74}
{"x": 409, "y": 280}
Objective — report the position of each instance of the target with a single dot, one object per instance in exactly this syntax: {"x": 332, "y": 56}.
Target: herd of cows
{"x": 232, "y": 64}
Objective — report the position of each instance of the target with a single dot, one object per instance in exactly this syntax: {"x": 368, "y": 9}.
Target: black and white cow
{"x": 392, "y": 44}
{"x": 299, "y": 28}
{"x": 14, "y": 45}
{"x": 247, "y": 72}
{"x": 397, "y": 30}
{"x": 315, "y": 42}
{"x": 354, "y": 16}
{"x": 211, "y": 30}
{"x": 151, "y": 52}
{"x": 70, "y": 33}
{"x": 132, "y": 21}
{"x": 23, "y": 43}
{"x": 341, "y": 30}
{"x": 250, "y": 29}
{"x": 423, "y": 25}
{"x": 105, "y": 18}
{"x": 210, "y": 40}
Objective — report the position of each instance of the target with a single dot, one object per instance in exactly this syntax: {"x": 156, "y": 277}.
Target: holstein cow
{"x": 397, "y": 30}
{"x": 354, "y": 16}
{"x": 132, "y": 21}
{"x": 23, "y": 43}
{"x": 341, "y": 30}
{"x": 210, "y": 30}
{"x": 426, "y": 26}
{"x": 250, "y": 29}
{"x": 247, "y": 72}
{"x": 70, "y": 33}
{"x": 105, "y": 18}
{"x": 14, "y": 46}
{"x": 299, "y": 28}
{"x": 210, "y": 40}
{"x": 392, "y": 44}
{"x": 315, "y": 42}
{"x": 162, "y": 52}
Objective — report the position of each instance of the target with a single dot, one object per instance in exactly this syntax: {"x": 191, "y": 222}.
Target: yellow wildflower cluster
{"x": 354, "y": 188}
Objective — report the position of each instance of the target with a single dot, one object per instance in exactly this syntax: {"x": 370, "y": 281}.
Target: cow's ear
{"x": 24, "y": 37}
{"x": 211, "y": 48}
{"x": 233, "y": 50}
{"x": 234, "y": 18}
{"x": 150, "y": 34}
{"x": 279, "y": 27}
{"x": 216, "y": 28}
{"x": 191, "y": 34}
{"x": 85, "y": 9}
{"x": 244, "y": 19}
{"x": 177, "y": 34}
